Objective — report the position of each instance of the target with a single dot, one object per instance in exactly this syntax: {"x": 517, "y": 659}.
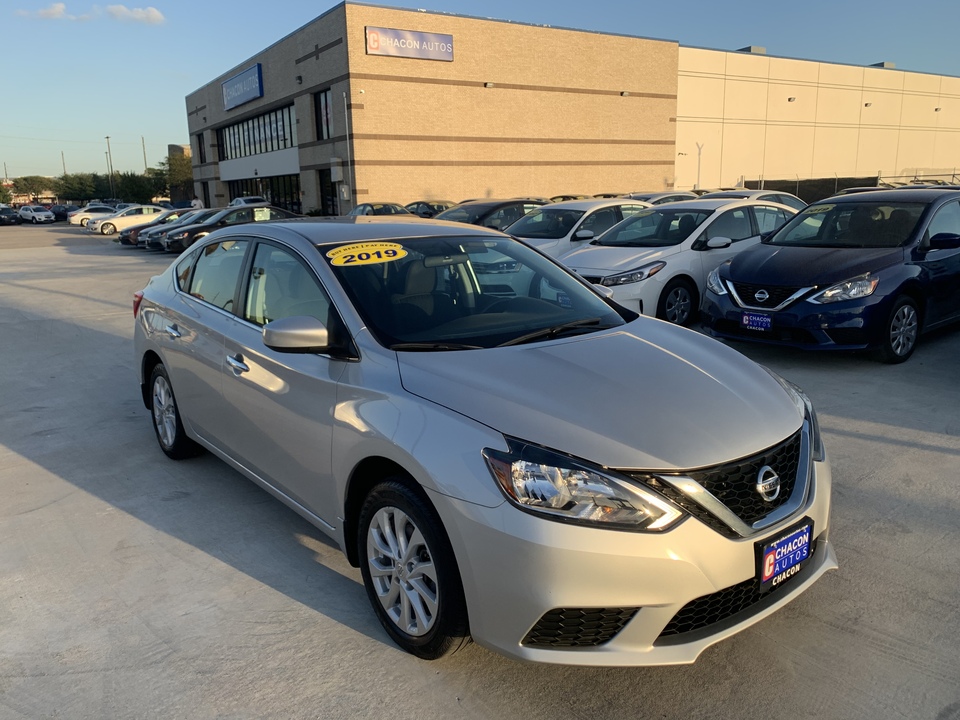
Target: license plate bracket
{"x": 756, "y": 321}
{"x": 785, "y": 555}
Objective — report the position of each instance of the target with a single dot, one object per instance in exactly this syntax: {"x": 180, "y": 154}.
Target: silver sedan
{"x": 504, "y": 452}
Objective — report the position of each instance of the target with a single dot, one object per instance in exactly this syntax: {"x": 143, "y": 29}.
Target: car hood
{"x": 609, "y": 259}
{"x": 648, "y": 395}
{"x": 806, "y": 266}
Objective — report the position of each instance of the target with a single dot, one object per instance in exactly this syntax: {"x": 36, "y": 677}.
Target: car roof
{"x": 593, "y": 203}
{"x": 715, "y": 203}
{"x": 362, "y": 228}
{"x": 913, "y": 194}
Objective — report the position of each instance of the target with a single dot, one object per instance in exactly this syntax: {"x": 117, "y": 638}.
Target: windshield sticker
{"x": 817, "y": 209}
{"x": 368, "y": 253}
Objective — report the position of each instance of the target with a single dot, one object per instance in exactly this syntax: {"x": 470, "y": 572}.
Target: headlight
{"x": 561, "y": 488}
{"x": 714, "y": 284}
{"x": 178, "y": 236}
{"x": 805, "y": 407}
{"x": 859, "y": 287}
{"x": 636, "y": 275}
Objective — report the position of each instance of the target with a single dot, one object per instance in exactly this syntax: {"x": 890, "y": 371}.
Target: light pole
{"x": 699, "y": 151}
{"x": 110, "y": 166}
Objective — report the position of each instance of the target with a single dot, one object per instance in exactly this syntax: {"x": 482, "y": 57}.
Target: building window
{"x": 281, "y": 191}
{"x": 201, "y": 149}
{"x": 272, "y": 131}
{"x": 324, "y": 115}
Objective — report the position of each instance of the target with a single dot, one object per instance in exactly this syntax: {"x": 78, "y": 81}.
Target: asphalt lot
{"x": 132, "y": 586}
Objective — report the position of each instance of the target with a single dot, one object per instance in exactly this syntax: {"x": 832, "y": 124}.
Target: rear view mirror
{"x": 945, "y": 241}
{"x": 298, "y": 334}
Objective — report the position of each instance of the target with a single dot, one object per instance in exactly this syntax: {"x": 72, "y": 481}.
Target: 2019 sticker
{"x": 368, "y": 253}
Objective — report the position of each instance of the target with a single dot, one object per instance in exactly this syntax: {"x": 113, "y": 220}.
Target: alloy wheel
{"x": 403, "y": 571}
{"x": 903, "y": 330}
{"x": 164, "y": 412}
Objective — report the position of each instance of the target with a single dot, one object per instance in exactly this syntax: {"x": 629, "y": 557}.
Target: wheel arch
{"x": 913, "y": 290}
{"x": 368, "y": 473}
{"x": 149, "y": 361}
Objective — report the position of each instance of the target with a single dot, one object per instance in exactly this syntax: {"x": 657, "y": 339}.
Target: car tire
{"x": 108, "y": 228}
{"x": 167, "y": 425}
{"x": 900, "y": 332}
{"x": 83, "y": 222}
{"x": 33, "y": 220}
{"x": 678, "y": 303}
{"x": 410, "y": 572}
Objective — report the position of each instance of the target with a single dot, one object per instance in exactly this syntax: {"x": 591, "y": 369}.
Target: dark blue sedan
{"x": 853, "y": 272}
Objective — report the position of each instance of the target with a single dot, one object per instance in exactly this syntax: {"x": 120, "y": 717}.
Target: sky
{"x": 78, "y": 72}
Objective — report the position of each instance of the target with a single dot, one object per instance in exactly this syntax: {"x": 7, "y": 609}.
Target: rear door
{"x": 191, "y": 333}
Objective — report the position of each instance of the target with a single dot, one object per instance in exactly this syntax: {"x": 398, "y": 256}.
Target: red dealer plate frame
{"x": 780, "y": 559}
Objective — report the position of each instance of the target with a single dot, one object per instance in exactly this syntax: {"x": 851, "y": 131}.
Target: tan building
{"x": 744, "y": 115}
{"x": 376, "y": 104}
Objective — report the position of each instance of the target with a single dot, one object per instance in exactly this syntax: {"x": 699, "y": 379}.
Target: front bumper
{"x": 850, "y": 325}
{"x": 520, "y": 571}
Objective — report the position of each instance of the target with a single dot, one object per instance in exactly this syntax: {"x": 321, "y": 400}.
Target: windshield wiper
{"x": 552, "y": 332}
{"x": 433, "y": 346}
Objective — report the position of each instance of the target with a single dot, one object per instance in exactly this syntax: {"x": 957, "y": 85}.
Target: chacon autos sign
{"x": 409, "y": 43}
{"x": 243, "y": 87}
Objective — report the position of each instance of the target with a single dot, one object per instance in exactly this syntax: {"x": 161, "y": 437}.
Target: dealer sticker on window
{"x": 367, "y": 253}
{"x": 783, "y": 558}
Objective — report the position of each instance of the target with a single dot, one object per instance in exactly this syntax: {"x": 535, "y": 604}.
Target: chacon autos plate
{"x": 756, "y": 321}
{"x": 784, "y": 557}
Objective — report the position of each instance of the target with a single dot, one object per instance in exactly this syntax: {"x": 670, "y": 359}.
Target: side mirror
{"x": 945, "y": 241}
{"x": 297, "y": 334}
{"x": 717, "y": 243}
{"x": 581, "y": 235}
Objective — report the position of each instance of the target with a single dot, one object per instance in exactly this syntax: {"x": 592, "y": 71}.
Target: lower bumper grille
{"x": 711, "y": 609}
{"x": 578, "y": 627}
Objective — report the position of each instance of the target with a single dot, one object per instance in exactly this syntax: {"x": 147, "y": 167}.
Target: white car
{"x": 133, "y": 215}
{"x": 249, "y": 200}
{"x": 82, "y": 216}
{"x": 560, "y": 227}
{"x": 657, "y": 262}
{"x": 36, "y": 214}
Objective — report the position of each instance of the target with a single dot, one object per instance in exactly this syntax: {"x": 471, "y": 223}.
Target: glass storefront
{"x": 281, "y": 191}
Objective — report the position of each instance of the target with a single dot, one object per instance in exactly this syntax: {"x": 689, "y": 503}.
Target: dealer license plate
{"x": 784, "y": 557}
{"x": 756, "y": 321}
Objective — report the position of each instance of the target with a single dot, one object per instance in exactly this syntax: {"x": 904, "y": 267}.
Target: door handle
{"x": 172, "y": 331}
{"x": 237, "y": 363}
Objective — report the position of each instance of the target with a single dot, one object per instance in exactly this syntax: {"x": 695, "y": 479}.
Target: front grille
{"x": 578, "y": 627}
{"x": 747, "y": 293}
{"x": 734, "y": 484}
{"x": 711, "y": 609}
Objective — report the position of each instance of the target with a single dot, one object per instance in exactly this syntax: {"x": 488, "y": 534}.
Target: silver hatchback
{"x": 504, "y": 452}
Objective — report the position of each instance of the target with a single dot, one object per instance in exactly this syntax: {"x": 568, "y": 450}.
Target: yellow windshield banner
{"x": 367, "y": 253}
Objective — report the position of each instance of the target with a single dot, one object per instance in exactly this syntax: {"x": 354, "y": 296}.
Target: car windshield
{"x": 851, "y": 225}
{"x": 547, "y": 223}
{"x": 456, "y": 293}
{"x": 654, "y": 228}
{"x": 39, "y": 209}
{"x": 466, "y": 213}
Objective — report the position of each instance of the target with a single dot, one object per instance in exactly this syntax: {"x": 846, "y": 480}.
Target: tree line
{"x": 171, "y": 178}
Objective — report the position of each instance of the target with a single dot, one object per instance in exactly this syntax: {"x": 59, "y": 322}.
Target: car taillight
{"x": 137, "y": 299}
